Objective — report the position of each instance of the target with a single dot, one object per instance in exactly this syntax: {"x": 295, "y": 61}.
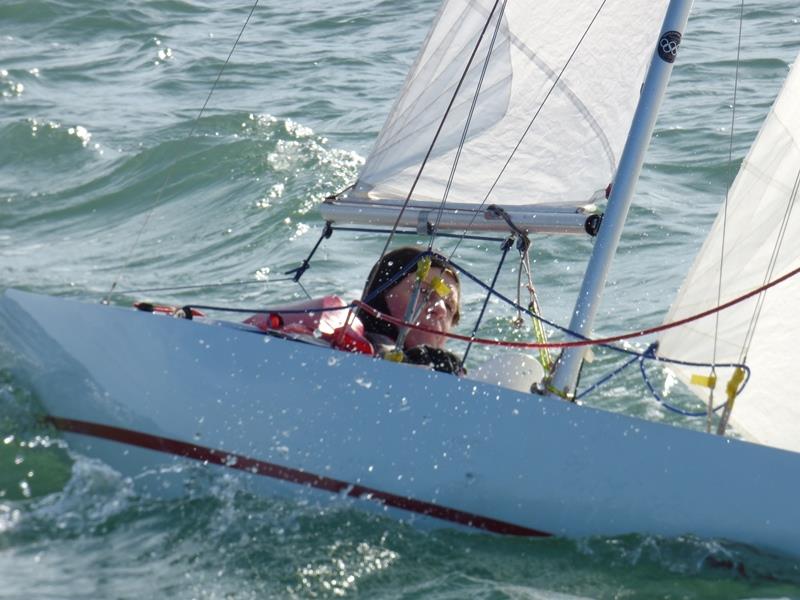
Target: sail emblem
{"x": 668, "y": 46}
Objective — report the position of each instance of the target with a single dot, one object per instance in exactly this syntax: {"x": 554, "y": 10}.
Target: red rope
{"x": 586, "y": 342}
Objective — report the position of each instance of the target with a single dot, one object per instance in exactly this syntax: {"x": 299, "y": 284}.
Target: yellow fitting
{"x": 395, "y": 355}
{"x": 733, "y": 385}
{"x": 709, "y": 381}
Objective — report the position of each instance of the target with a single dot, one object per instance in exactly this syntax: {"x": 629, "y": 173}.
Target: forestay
{"x": 761, "y": 232}
{"x": 556, "y": 101}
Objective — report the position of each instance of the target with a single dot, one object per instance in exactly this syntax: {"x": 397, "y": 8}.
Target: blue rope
{"x": 640, "y": 357}
{"x": 650, "y": 354}
{"x": 513, "y": 304}
{"x": 506, "y": 247}
{"x": 607, "y": 377}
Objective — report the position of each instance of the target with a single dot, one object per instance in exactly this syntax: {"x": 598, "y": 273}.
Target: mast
{"x": 568, "y": 366}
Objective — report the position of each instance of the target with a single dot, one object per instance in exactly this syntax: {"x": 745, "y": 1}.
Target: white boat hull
{"x": 142, "y": 391}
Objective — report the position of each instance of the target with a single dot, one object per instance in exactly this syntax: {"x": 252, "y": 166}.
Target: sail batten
{"x": 557, "y": 90}
{"x": 761, "y": 225}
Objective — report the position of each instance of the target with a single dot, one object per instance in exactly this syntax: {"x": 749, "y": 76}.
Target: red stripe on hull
{"x": 260, "y": 467}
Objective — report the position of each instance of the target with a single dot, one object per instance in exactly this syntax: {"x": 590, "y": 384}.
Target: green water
{"x": 105, "y": 173}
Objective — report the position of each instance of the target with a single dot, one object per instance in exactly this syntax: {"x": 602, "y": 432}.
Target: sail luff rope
{"x": 712, "y": 376}
{"x": 530, "y": 124}
{"x": 168, "y": 176}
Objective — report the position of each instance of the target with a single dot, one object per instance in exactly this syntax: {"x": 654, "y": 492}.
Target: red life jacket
{"x": 324, "y": 318}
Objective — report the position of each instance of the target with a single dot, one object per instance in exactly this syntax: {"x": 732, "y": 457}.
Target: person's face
{"x": 437, "y": 313}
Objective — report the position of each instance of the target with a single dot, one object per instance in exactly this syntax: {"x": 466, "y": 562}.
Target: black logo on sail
{"x": 668, "y": 46}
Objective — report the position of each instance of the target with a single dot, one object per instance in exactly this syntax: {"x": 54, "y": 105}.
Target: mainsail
{"x": 760, "y": 230}
{"x": 548, "y": 97}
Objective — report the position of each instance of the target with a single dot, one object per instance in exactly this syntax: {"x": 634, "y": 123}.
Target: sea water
{"x": 111, "y": 172}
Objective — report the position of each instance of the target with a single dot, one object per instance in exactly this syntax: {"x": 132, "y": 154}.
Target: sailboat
{"x": 516, "y": 119}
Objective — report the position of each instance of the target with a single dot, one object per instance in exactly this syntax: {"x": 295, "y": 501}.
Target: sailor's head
{"x": 437, "y": 307}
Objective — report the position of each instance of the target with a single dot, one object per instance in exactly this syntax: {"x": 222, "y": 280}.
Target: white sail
{"x": 581, "y": 63}
{"x": 760, "y": 229}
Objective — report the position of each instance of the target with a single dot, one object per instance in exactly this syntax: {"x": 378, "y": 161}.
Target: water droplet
{"x": 363, "y": 382}
{"x": 26, "y": 489}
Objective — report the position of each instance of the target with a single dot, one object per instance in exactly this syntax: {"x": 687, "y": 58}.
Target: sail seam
{"x": 563, "y": 86}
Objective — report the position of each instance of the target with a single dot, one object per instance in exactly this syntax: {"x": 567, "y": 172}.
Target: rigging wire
{"x": 454, "y": 167}
{"x": 505, "y": 248}
{"x": 556, "y": 81}
{"x": 465, "y": 131}
{"x": 435, "y": 137}
{"x": 769, "y": 271}
{"x": 439, "y": 129}
{"x": 761, "y": 298}
{"x": 168, "y": 176}
{"x": 773, "y": 261}
{"x": 537, "y": 318}
{"x": 433, "y": 232}
{"x": 533, "y": 306}
{"x": 713, "y": 373}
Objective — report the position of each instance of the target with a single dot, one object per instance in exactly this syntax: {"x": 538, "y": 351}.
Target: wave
{"x": 209, "y": 193}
